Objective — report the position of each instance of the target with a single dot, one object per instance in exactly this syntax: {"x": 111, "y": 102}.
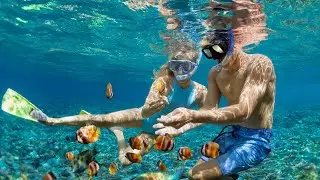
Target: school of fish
{"x": 90, "y": 134}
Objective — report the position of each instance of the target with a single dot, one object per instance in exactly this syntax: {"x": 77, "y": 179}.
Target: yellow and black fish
{"x": 88, "y": 134}
{"x": 137, "y": 143}
{"x": 69, "y": 156}
{"x": 164, "y": 143}
{"x": 184, "y": 153}
{"x": 160, "y": 86}
{"x": 49, "y": 176}
{"x": 133, "y": 157}
{"x": 113, "y": 168}
{"x": 210, "y": 150}
{"x": 93, "y": 169}
{"x": 81, "y": 162}
{"x": 161, "y": 166}
{"x": 109, "y": 91}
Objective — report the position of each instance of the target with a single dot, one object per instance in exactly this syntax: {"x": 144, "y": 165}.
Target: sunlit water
{"x": 61, "y": 54}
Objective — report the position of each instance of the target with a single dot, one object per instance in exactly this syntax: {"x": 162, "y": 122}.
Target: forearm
{"x": 228, "y": 115}
{"x": 102, "y": 120}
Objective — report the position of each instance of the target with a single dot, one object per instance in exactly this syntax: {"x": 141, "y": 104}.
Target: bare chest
{"x": 231, "y": 84}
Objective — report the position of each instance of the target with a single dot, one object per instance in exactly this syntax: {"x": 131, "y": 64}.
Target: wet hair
{"x": 178, "y": 49}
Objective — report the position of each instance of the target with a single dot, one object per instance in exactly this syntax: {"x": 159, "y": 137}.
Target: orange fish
{"x": 210, "y": 150}
{"x": 134, "y": 158}
{"x": 184, "y": 153}
{"x": 23, "y": 176}
{"x": 109, "y": 92}
{"x": 164, "y": 143}
{"x": 49, "y": 176}
{"x": 161, "y": 166}
{"x": 160, "y": 86}
{"x": 69, "y": 156}
{"x": 113, "y": 168}
{"x": 93, "y": 168}
{"x": 137, "y": 143}
{"x": 88, "y": 134}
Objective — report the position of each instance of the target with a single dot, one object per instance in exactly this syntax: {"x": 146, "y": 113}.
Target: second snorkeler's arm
{"x": 156, "y": 100}
{"x": 201, "y": 93}
{"x": 118, "y": 118}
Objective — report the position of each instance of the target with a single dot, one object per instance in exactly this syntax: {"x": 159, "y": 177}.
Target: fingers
{"x": 168, "y": 130}
{"x": 158, "y": 126}
{"x": 164, "y": 119}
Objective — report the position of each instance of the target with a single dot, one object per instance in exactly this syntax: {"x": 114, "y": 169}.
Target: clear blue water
{"x": 61, "y": 54}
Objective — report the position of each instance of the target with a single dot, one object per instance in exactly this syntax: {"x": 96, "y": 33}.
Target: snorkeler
{"x": 247, "y": 81}
{"x": 178, "y": 90}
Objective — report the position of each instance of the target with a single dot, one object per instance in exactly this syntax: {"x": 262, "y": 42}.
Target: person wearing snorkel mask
{"x": 172, "y": 88}
{"x": 247, "y": 81}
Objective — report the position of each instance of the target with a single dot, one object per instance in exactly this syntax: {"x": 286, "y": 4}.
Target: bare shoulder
{"x": 213, "y": 73}
{"x": 261, "y": 65}
{"x": 260, "y": 60}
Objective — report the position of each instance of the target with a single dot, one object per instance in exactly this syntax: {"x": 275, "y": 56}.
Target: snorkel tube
{"x": 227, "y": 58}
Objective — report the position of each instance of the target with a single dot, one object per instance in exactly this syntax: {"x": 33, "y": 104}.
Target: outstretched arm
{"x": 130, "y": 117}
{"x": 259, "y": 74}
{"x": 119, "y": 118}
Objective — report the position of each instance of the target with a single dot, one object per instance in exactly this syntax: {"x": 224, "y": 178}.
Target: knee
{"x": 124, "y": 161}
{"x": 204, "y": 174}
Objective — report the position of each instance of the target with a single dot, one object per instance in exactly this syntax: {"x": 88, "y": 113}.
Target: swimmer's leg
{"x": 125, "y": 148}
{"x": 119, "y": 118}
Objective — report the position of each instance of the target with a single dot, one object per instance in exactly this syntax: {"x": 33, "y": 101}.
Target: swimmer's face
{"x": 215, "y": 46}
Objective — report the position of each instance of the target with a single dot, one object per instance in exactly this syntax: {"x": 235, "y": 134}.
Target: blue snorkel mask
{"x": 221, "y": 45}
{"x": 184, "y": 69}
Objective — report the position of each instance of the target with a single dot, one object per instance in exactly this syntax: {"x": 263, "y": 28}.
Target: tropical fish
{"x": 137, "y": 143}
{"x": 24, "y": 176}
{"x": 210, "y": 150}
{"x": 160, "y": 86}
{"x": 113, "y": 168}
{"x": 69, "y": 156}
{"x": 161, "y": 166}
{"x": 93, "y": 169}
{"x": 164, "y": 143}
{"x": 184, "y": 153}
{"x": 109, "y": 91}
{"x": 81, "y": 162}
{"x": 133, "y": 157}
{"x": 49, "y": 176}
{"x": 88, "y": 134}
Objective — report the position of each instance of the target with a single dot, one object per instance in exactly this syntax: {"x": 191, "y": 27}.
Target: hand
{"x": 168, "y": 130}
{"x": 179, "y": 116}
{"x": 154, "y": 105}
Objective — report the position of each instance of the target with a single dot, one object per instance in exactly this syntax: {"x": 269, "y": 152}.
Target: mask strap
{"x": 231, "y": 42}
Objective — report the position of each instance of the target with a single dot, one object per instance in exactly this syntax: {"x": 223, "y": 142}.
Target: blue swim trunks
{"x": 242, "y": 148}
